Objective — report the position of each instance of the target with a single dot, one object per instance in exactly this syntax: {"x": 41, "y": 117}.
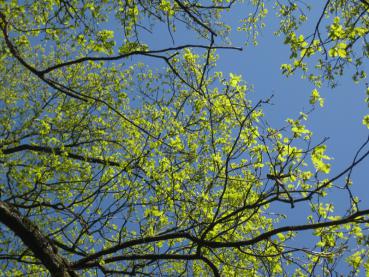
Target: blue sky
{"x": 339, "y": 119}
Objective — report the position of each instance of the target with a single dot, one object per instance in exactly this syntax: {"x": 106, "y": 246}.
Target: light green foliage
{"x": 101, "y": 149}
{"x": 336, "y": 44}
{"x": 366, "y": 121}
{"x": 315, "y": 97}
{"x": 318, "y": 158}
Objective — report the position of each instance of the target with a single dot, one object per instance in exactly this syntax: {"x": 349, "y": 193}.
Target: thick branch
{"x": 33, "y": 238}
{"x": 219, "y": 244}
{"x": 153, "y": 257}
{"x": 57, "y": 151}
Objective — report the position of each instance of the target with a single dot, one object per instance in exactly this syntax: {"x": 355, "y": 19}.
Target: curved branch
{"x": 217, "y": 244}
{"x": 152, "y": 257}
{"x": 212, "y": 266}
{"x": 15, "y": 53}
{"x": 186, "y": 10}
{"x": 134, "y": 53}
{"x": 59, "y": 152}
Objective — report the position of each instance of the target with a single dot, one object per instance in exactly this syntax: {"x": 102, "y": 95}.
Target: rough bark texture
{"x": 32, "y": 237}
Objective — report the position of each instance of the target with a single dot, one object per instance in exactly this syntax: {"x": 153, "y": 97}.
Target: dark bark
{"x": 33, "y": 238}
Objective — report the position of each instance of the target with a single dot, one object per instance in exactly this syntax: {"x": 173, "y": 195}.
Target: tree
{"x": 121, "y": 158}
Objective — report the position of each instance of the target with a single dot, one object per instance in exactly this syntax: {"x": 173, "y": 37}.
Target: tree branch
{"x": 33, "y": 238}
{"x": 59, "y": 152}
{"x": 218, "y": 244}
